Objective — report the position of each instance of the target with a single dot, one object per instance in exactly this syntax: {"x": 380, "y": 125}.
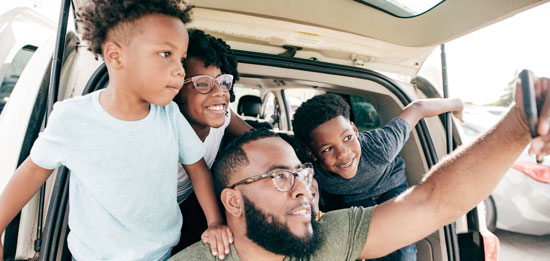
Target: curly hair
{"x": 315, "y": 112}
{"x": 213, "y": 51}
{"x": 100, "y": 17}
{"x": 233, "y": 157}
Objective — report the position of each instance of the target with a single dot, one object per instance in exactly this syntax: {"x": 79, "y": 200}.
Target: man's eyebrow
{"x": 274, "y": 167}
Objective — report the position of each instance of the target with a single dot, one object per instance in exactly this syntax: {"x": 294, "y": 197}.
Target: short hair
{"x": 100, "y": 17}
{"x": 213, "y": 51}
{"x": 317, "y": 111}
{"x": 232, "y": 158}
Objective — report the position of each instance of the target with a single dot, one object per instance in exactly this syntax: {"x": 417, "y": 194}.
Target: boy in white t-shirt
{"x": 122, "y": 144}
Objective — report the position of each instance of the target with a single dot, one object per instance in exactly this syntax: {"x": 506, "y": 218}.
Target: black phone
{"x": 529, "y": 101}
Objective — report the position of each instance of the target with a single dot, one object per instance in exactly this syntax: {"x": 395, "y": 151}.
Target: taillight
{"x": 491, "y": 245}
{"x": 537, "y": 172}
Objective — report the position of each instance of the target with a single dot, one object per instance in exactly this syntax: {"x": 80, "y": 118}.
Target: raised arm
{"x": 23, "y": 185}
{"x": 430, "y": 107}
{"x": 455, "y": 185}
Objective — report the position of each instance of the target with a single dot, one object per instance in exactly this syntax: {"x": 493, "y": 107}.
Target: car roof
{"x": 344, "y": 31}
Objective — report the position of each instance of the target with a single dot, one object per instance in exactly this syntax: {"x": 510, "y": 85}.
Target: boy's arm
{"x": 218, "y": 235}
{"x": 22, "y": 186}
{"x": 430, "y": 107}
{"x": 204, "y": 189}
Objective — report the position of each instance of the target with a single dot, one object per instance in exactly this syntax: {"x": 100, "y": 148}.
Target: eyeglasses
{"x": 283, "y": 179}
{"x": 205, "y": 83}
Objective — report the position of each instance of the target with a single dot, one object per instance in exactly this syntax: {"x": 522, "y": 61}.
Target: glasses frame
{"x": 195, "y": 78}
{"x": 272, "y": 176}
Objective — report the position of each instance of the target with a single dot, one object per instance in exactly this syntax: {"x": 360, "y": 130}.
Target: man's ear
{"x": 233, "y": 202}
{"x": 112, "y": 55}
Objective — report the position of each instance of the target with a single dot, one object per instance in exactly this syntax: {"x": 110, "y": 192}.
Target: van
{"x": 370, "y": 52}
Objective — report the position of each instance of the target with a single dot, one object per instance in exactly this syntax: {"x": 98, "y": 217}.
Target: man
{"x": 269, "y": 210}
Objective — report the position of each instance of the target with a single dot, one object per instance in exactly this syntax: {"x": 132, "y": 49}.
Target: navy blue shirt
{"x": 380, "y": 167}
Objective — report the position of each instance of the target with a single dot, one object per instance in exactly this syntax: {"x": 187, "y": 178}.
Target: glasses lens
{"x": 203, "y": 84}
{"x": 284, "y": 180}
{"x": 225, "y": 81}
{"x": 306, "y": 175}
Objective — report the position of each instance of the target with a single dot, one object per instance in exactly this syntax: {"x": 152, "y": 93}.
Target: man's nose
{"x": 301, "y": 189}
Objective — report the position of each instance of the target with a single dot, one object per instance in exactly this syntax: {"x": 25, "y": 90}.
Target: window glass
{"x": 13, "y": 72}
{"x": 241, "y": 91}
{"x": 402, "y": 8}
{"x": 363, "y": 114}
{"x": 295, "y": 98}
{"x": 272, "y": 111}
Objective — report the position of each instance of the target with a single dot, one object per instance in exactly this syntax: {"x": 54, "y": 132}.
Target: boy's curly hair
{"x": 100, "y": 16}
{"x": 213, "y": 51}
{"x": 317, "y": 111}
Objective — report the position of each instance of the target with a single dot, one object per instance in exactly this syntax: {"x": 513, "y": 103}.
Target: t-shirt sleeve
{"x": 50, "y": 147}
{"x": 386, "y": 143}
{"x": 344, "y": 233}
{"x": 191, "y": 148}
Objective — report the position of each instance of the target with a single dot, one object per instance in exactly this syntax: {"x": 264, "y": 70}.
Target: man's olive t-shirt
{"x": 343, "y": 232}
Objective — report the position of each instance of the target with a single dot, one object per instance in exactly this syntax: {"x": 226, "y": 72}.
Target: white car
{"x": 519, "y": 203}
{"x": 371, "y": 52}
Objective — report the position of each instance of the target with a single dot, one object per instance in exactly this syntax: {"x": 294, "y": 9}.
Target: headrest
{"x": 249, "y": 105}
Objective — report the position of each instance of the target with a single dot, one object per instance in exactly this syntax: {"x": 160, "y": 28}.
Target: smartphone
{"x": 529, "y": 102}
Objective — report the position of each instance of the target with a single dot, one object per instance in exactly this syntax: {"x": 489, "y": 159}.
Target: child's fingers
{"x": 225, "y": 241}
{"x": 230, "y": 235}
{"x": 221, "y": 248}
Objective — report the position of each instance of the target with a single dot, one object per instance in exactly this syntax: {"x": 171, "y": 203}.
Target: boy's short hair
{"x": 232, "y": 158}
{"x": 100, "y": 17}
{"x": 317, "y": 111}
{"x": 213, "y": 51}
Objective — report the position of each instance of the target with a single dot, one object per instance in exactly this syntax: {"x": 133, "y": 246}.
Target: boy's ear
{"x": 112, "y": 55}
{"x": 233, "y": 202}
{"x": 310, "y": 153}
{"x": 354, "y": 128}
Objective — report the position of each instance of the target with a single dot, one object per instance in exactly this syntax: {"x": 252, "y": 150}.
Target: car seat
{"x": 248, "y": 108}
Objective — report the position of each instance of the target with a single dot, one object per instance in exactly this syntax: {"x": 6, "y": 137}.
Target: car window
{"x": 14, "y": 70}
{"x": 363, "y": 114}
{"x": 295, "y": 98}
{"x": 402, "y": 8}
{"x": 271, "y": 110}
{"x": 239, "y": 90}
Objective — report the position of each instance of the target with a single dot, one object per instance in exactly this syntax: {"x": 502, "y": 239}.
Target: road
{"x": 515, "y": 246}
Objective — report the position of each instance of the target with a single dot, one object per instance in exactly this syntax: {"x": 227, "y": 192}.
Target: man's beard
{"x": 268, "y": 232}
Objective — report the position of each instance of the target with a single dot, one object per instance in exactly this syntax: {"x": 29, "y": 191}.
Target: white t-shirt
{"x": 212, "y": 144}
{"x": 122, "y": 197}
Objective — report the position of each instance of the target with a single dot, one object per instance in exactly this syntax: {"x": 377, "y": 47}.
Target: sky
{"x": 480, "y": 65}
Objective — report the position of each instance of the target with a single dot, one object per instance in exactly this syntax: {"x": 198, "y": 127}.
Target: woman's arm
{"x": 237, "y": 126}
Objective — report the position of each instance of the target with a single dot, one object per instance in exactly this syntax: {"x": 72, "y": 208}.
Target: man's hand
{"x": 541, "y": 144}
{"x": 219, "y": 237}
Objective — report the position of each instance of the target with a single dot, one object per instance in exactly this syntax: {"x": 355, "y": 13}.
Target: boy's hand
{"x": 459, "y": 116}
{"x": 219, "y": 237}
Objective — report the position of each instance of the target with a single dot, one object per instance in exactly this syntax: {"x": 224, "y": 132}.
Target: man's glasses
{"x": 283, "y": 179}
{"x": 205, "y": 83}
